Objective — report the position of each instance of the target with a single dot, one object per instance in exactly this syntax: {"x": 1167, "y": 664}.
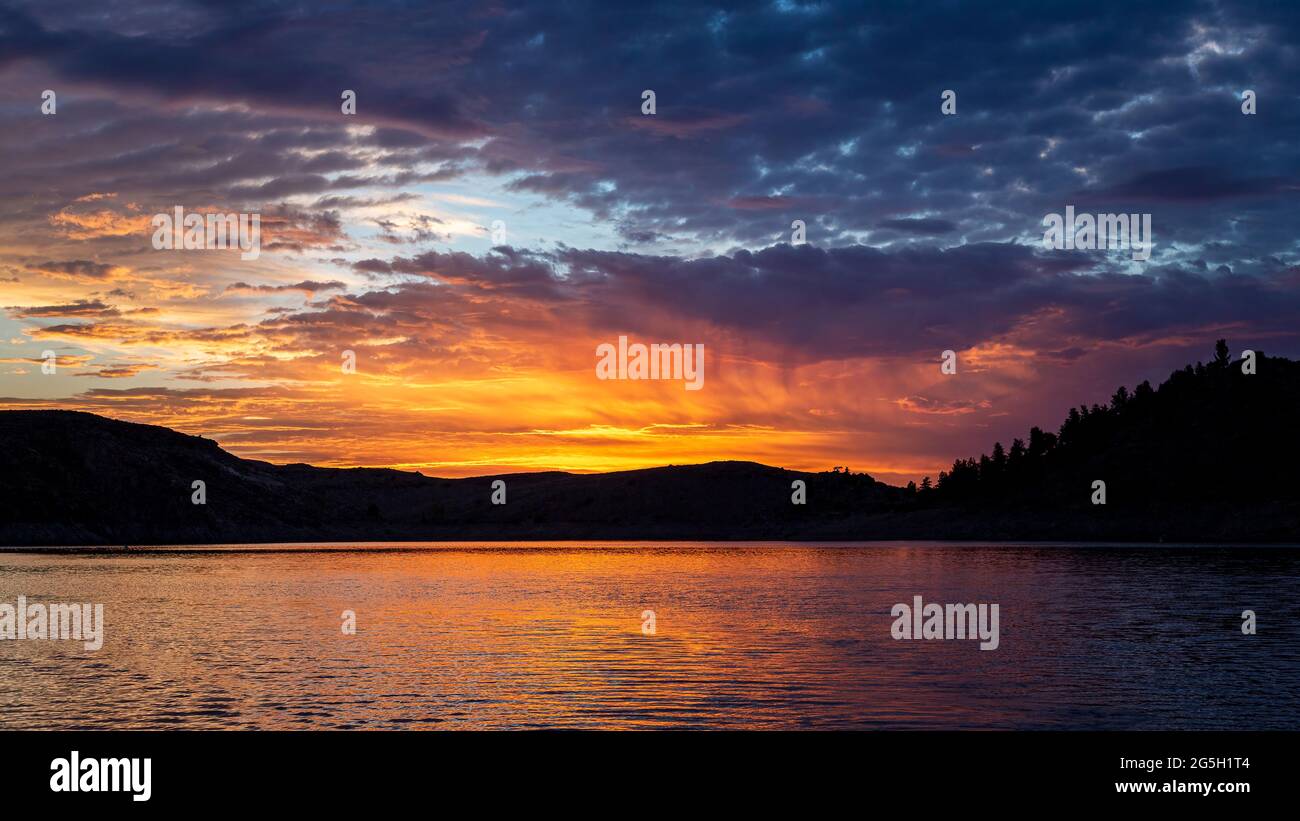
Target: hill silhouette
{"x": 1213, "y": 444}
{"x": 1210, "y": 455}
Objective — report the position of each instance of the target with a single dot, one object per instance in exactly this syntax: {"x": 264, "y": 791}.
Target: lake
{"x": 746, "y": 635}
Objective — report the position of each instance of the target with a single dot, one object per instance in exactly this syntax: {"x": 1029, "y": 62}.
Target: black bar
{"x": 637, "y": 770}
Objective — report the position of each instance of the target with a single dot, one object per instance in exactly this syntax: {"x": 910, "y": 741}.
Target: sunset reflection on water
{"x": 748, "y": 635}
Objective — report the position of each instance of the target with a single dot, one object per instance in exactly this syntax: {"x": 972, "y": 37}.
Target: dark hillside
{"x": 1209, "y": 455}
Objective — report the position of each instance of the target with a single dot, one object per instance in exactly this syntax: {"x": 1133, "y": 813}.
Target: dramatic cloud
{"x": 307, "y": 286}
{"x": 75, "y": 269}
{"x": 499, "y": 204}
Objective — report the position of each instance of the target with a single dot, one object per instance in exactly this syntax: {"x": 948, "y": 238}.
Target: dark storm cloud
{"x": 74, "y": 269}
{"x": 268, "y": 54}
{"x": 858, "y": 301}
{"x": 519, "y": 273}
{"x": 863, "y": 301}
{"x": 1201, "y": 185}
{"x": 766, "y": 113}
{"x": 94, "y": 308}
{"x": 309, "y": 287}
{"x": 770, "y": 112}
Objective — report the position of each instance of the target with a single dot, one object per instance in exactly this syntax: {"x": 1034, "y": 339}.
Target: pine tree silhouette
{"x": 1208, "y": 435}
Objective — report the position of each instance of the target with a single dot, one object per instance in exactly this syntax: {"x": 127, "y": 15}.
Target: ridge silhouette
{"x": 1209, "y": 456}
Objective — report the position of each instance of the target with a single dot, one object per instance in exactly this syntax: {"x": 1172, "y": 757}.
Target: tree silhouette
{"x": 1207, "y": 436}
{"x": 1221, "y": 355}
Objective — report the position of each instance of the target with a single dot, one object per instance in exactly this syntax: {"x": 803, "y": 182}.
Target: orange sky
{"x": 476, "y": 353}
{"x": 462, "y": 372}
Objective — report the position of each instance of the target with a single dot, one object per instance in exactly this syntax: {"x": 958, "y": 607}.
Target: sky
{"x": 475, "y": 349}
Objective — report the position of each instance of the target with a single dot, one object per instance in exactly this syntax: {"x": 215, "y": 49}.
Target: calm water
{"x": 747, "y": 636}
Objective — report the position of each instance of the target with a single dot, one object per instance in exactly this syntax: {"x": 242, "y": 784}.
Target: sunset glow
{"x": 476, "y": 353}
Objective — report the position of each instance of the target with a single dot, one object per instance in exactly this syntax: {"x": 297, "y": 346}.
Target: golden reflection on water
{"x": 748, "y": 635}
